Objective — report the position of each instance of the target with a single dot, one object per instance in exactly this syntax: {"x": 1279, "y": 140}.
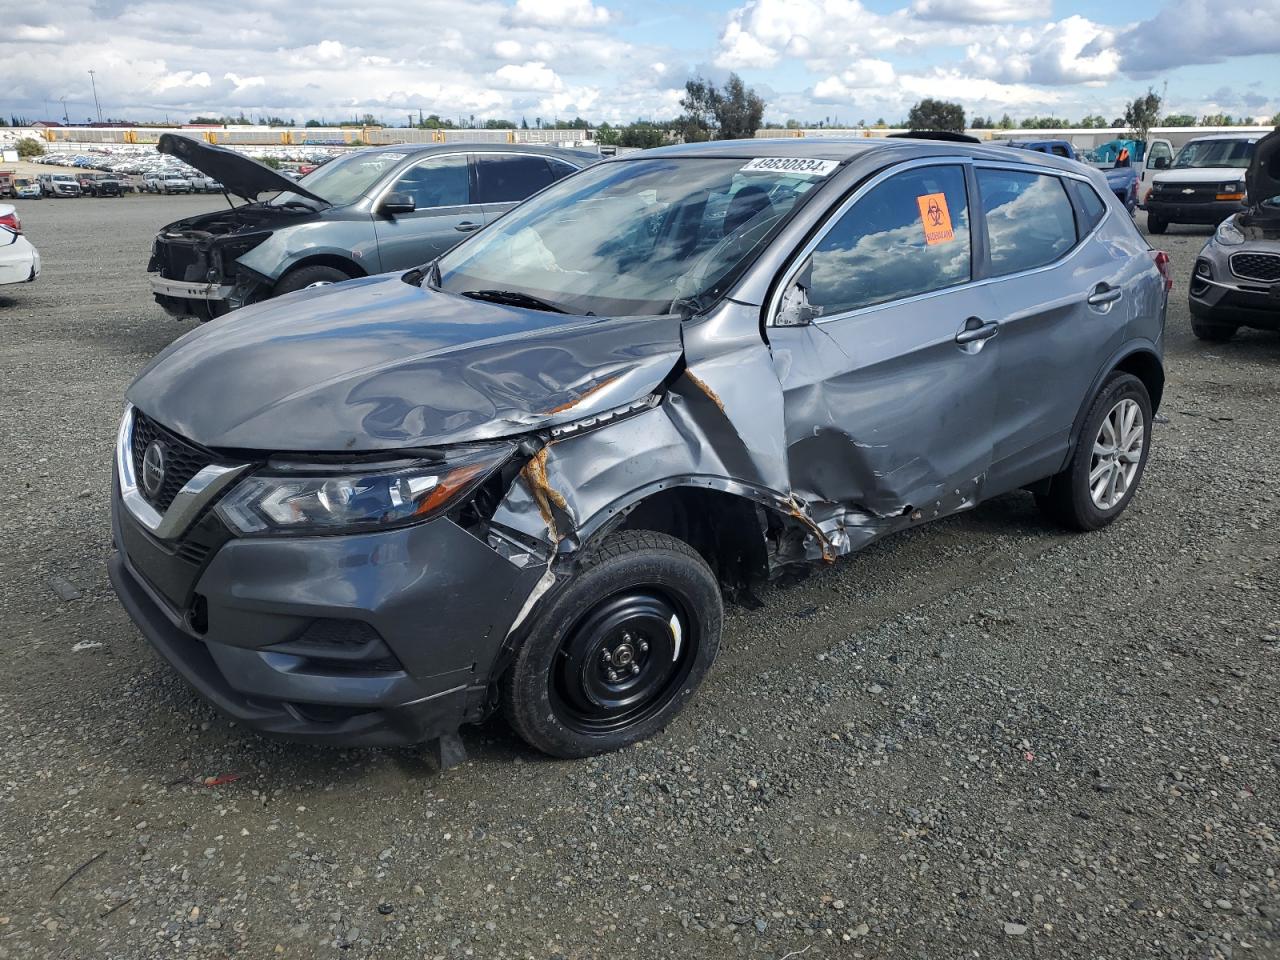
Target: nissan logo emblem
{"x": 153, "y": 468}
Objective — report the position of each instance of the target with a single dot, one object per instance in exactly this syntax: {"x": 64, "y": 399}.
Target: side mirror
{"x": 1160, "y": 163}
{"x": 795, "y": 309}
{"x": 395, "y": 203}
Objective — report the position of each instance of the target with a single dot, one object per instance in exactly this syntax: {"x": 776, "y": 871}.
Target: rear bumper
{"x": 438, "y": 602}
{"x": 1211, "y": 212}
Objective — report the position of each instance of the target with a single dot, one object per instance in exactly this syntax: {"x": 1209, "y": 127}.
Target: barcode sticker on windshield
{"x": 801, "y": 166}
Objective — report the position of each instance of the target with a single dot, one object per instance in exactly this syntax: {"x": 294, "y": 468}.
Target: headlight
{"x": 1228, "y": 233}
{"x": 348, "y": 500}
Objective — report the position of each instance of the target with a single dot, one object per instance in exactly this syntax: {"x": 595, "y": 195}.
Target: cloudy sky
{"x": 618, "y": 60}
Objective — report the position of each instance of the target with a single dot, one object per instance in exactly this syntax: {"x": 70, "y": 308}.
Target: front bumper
{"x": 1221, "y": 297}
{"x": 1207, "y": 212}
{"x": 186, "y": 290}
{"x": 236, "y": 625}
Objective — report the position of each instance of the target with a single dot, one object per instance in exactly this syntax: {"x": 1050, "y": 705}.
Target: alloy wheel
{"x": 1117, "y": 454}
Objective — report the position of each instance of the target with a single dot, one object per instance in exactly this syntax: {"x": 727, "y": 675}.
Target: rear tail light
{"x": 12, "y": 221}
{"x": 1162, "y": 264}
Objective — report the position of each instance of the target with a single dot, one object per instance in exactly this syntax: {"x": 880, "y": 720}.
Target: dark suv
{"x": 364, "y": 212}
{"x": 519, "y": 476}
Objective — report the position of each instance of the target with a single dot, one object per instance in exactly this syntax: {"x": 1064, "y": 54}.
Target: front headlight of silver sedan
{"x": 316, "y": 499}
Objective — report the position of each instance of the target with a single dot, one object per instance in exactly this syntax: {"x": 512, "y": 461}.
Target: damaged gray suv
{"x": 519, "y": 477}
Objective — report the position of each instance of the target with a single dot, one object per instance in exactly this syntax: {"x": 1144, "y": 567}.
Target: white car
{"x": 19, "y": 260}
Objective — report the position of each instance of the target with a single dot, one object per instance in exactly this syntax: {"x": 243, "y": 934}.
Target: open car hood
{"x": 1262, "y": 179}
{"x": 241, "y": 175}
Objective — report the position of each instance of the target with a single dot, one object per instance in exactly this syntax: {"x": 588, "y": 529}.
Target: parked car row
{"x": 485, "y": 458}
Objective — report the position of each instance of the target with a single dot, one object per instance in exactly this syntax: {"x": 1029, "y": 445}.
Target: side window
{"x": 908, "y": 235}
{"x": 1029, "y": 219}
{"x": 1089, "y": 206}
{"x": 505, "y": 177}
{"x": 437, "y": 182}
{"x": 560, "y": 169}
{"x": 1060, "y": 151}
{"x": 1159, "y": 151}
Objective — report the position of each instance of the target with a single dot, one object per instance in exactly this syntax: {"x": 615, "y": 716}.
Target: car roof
{"x": 847, "y": 148}
{"x": 457, "y": 146}
{"x": 1251, "y": 137}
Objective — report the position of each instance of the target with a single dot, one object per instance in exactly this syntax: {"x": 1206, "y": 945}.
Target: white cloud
{"x": 983, "y": 11}
{"x": 569, "y": 13}
{"x": 534, "y": 75}
{"x": 863, "y": 76}
{"x": 1074, "y": 50}
{"x": 507, "y": 49}
{"x": 46, "y": 33}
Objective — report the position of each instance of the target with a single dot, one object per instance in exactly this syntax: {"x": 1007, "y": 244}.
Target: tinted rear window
{"x": 504, "y": 178}
{"x": 1091, "y": 206}
{"x": 1029, "y": 219}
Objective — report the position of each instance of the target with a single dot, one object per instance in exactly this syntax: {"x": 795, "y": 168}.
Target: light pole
{"x": 65, "y": 118}
{"x": 93, "y": 82}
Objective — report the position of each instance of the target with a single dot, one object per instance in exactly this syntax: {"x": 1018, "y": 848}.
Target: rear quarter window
{"x": 1029, "y": 219}
{"x": 1090, "y": 207}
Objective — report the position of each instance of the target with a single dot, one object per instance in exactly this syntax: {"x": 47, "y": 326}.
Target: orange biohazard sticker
{"x": 936, "y": 218}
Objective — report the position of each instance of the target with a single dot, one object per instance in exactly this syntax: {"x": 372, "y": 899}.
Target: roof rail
{"x": 946, "y": 135}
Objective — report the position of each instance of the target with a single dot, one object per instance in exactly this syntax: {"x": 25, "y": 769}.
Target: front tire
{"x": 304, "y": 277}
{"x": 1109, "y": 458}
{"x": 1156, "y": 224}
{"x": 619, "y": 650}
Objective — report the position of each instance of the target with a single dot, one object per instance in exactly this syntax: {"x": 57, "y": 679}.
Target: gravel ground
{"x": 983, "y": 738}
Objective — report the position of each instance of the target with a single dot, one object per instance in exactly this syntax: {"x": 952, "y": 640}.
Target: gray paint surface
{"x": 828, "y": 435}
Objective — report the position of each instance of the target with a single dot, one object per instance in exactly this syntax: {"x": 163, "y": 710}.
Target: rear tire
{"x": 1109, "y": 458}
{"x": 1213, "y": 332}
{"x": 617, "y": 652}
{"x": 304, "y": 277}
{"x": 1156, "y": 224}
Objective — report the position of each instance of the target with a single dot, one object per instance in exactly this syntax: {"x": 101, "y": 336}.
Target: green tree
{"x": 1275, "y": 121}
{"x": 499, "y": 125}
{"x": 1217, "y": 120}
{"x": 1006, "y": 123}
{"x": 739, "y": 110}
{"x": 315, "y": 123}
{"x": 1142, "y": 114}
{"x": 608, "y": 135}
{"x": 931, "y": 114}
{"x": 641, "y": 135}
{"x": 980, "y": 123}
{"x": 29, "y": 147}
{"x": 700, "y": 100}
{"x": 1179, "y": 120}
{"x": 1094, "y": 121}
{"x": 271, "y": 162}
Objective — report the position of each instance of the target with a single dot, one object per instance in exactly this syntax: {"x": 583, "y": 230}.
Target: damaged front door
{"x": 890, "y": 391}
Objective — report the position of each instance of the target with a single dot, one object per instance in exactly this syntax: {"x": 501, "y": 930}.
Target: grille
{"x": 182, "y": 460}
{"x": 1256, "y": 266}
{"x": 1200, "y": 192}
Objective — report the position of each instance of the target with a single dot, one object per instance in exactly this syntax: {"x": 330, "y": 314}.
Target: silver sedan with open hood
{"x": 361, "y": 213}
{"x": 520, "y": 476}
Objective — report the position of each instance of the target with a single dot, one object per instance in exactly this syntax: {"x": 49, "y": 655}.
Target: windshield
{"x": 634, "y": 237}
{"x": 344, "y": 179}
{"x": 1214, "y": 153}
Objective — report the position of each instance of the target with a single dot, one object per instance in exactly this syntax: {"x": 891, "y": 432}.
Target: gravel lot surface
{"x": 984, "y": 738}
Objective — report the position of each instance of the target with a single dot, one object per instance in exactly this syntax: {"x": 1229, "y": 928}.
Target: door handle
{"x": 1104, "y": 293}
{"x": 975, "y": 331}
{"x": 466, "y": 226}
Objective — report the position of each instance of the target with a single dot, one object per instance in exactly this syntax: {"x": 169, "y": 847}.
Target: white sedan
{"x": 19, "y": 260}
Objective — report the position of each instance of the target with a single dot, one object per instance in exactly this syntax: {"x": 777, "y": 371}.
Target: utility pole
{"x": 65, "y": 118}
{"x": 94, "y": 83}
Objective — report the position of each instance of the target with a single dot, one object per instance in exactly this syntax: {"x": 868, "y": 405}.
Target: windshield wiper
{"x": 514, "y": 298}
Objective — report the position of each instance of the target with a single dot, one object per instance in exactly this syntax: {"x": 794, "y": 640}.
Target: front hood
{"x": 1262, "y": 179}
{"x": 241, "y": 175}
{"x": 1199, "y": 175}
{"x": 377, "y": 364}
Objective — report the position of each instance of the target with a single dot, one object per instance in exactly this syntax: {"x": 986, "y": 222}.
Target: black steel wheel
{"x": 615, "y": 654}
